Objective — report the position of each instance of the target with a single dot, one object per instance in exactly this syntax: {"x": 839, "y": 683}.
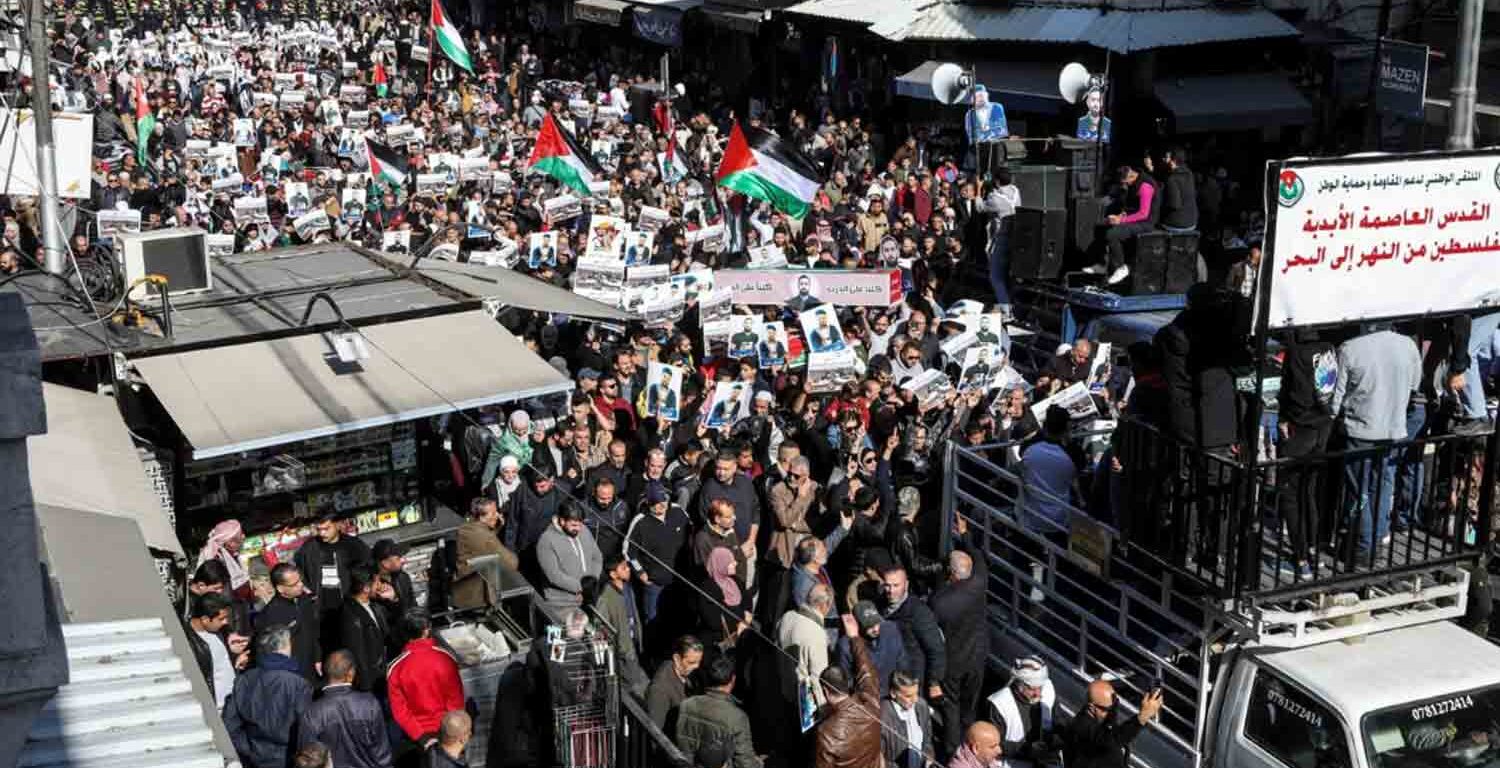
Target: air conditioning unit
{"x": 180, "y": 255}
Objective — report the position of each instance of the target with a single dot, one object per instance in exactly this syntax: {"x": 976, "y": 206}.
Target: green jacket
{"x": 507, "y": 445}
{"x": 716, "y": 717}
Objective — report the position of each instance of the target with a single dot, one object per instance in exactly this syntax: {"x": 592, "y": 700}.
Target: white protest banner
{"x": 1383, "y": 237}
{"x": 716, "y": 304}
{"x": 954, "y": 346}
{"x": 310, "y": 224}
{"x": 435, "y": 184}
{"x": 697, "y": 282}
{"x": 771, "y": 351}
{"x": 929, "y": 387}
{"x": 766, "y": 257}
{"x": 562, "y": 208}
{"x": 657, "y": 305}
{"x": 829, "y": 372}
{"x": 398, "y": 241}
{"x": 18, "y": 147}
{"x": 663, "y": 391}
{"x": 116, "y": 222}
{"x": 600, "y": 278}
{"x": 651, "y": 219}
{"x": 420, "y": 53}
{"x": 219, "y": 246}
{"x": 249, "y": 210}
{"x": 1075, "y": 399}
{"x": 840, "y": 287}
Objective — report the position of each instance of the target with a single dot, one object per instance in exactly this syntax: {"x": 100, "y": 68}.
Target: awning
{"x": 854, "y": 11}
{"x": 1233, "y": 102}
{"x": 513, "y": 289}
{"x": 735, "y": 19}
{"x": 248, "y": 396}
{"x": 982, "y": 23}
{"x": 606, "y": 12}
{"x": 1026, "y": 86}
{"x": 1128, "y": 32}
{"x": 87, "y": 461}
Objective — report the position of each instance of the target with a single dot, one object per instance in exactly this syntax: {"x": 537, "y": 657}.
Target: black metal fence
{"x": 642, "y": 744}
{"x": 1243, "y": 528}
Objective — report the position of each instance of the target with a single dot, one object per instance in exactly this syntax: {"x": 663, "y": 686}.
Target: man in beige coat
{"x": 476, "y": 538}
{"x": 802, "y": 629}
{"x": 792, "y": 501}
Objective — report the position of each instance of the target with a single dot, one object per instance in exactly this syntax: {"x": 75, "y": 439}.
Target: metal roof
{"x": 514, "y": 289}
{"x": 1233, "y": 102}
{"x": 87, "y": 461}
{"x": 253, "y": 293}
{"x": 1128, "y": 32}
{"x": 243, "y": 397}
{"x": 1025, "y": 86}
{"x": 1122, "y": 30}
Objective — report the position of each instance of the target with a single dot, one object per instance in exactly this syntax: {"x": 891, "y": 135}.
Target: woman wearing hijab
{"x": 223, "y": 545}
{"x": 720, "y": 609}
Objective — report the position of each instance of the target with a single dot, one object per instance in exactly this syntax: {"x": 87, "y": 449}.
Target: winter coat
{"x": 351, "y": 725}
{"x": 267, "y": 702}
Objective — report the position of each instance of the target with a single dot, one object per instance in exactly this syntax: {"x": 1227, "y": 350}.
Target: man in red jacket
{"x": 423, "y": 682}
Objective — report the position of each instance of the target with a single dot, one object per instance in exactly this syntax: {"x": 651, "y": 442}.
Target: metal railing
{"x": 1246, "y": 530}
{"x": 1081, "y": 604}
{"x": 642, "y": 744}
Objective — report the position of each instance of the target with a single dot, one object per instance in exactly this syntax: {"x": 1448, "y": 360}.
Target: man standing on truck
{"x": 1026, "y": 711}
{"x": 1097, "y": 738}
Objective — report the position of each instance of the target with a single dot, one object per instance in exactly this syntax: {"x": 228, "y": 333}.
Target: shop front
{"x": 278, "y": 433}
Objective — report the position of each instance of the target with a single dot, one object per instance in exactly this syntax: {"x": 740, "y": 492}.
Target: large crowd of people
{"x": 757, "y": 565}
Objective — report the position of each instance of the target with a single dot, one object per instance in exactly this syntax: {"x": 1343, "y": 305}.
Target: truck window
{"x": 1293, "y": 727}
{"x": 1460, "y": 730}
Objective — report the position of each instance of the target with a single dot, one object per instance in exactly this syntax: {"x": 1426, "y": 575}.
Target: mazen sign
{"x": 1383, "y": 237}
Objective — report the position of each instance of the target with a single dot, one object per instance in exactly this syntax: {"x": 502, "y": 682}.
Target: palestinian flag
{"x": 559, "y": 156}
{"x": 145, "y": 121}
{"x": 667, "y": 161}
{"x": 449, "y": 39}
{"x": 380, "y": 80}
{"x": 758, "y": 164}
{"x": 386, "y": 165}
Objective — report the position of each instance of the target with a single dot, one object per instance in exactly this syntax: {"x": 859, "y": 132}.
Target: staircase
{"x": 129, "y": 704}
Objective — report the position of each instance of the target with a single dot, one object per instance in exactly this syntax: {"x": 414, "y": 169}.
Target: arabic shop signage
{"x": 662, "y": 26}
{"x": 1390, "y": 238}
{"x": 840, "y": 287}
{"x": 1401, "y": 79}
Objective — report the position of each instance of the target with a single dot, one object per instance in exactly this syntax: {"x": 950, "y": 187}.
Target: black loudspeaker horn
{"x": 1037, "y": 243}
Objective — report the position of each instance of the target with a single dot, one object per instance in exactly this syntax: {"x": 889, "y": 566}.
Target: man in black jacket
{"x": 293, "y": 609}
{"x": 1097, "y": 738}
{"x": 348, "y": 722}
{"x": 1179, "y": 206}
{"x": 925, "y": 652}
{"x": 959, "y": 607}
{"x": 324, "y": 561}
{"x": 364, "y": 631}
{"x": 1305, "y": 410}
{"x": 267, "y": 703}
{"x": 390, "y": 560}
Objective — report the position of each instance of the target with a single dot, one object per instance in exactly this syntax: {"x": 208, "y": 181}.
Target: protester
{"x": 1098, "y": 737}
{"x": 453, "y": 737}
{"x": 365, "y": 628}
{"x": 207, "y": 618}
{"x": 423, "y": 682}
{"x": 349, "y": 722}
{"x": 715, "y": 717}
{"x": 906, "y": 722}
{"x": 262, "y": 712}
{"x": 671, "y": 684}
{"x": 477, "y": 586}
{"x": 294, "y": 610}
{"x": 850, "y": 734}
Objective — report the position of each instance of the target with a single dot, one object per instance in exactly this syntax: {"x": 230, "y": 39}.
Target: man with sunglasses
{"x": 1097, "y": 737}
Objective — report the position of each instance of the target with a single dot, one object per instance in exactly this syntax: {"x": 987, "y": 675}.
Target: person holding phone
{"x": 1098, "y": 737}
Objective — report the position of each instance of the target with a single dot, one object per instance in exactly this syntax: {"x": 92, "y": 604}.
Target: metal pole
{"x": 1465, "y": 72}
{"x": 55, "y": 258}
{"x": 1372, "y": 110}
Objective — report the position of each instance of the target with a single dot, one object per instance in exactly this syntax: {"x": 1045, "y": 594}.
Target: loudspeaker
{"x": 1087, "y": 213}
{"x": 1182, "y": 262}
{"x": 1042, "y": 186}
{"x": 1082, "y": 161}
{"x": 1148, "y": 274}
{"x": 1037, "y": 241}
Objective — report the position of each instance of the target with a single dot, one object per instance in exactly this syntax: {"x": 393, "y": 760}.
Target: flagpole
{"x": 431, "y": 54}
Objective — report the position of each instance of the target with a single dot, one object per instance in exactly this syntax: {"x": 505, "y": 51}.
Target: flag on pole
{"x": 758, "y": 164}
{"x": 145, "y": 121}
{"x": 558, "y": 155}
{"x": 386, "y": 165}
{"x": 381, "y": 81}
{"x": 449, "y": 39}
{"x": 662, "y": 113}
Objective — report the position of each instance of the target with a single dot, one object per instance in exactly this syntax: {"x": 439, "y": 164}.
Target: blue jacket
{"x": 266, "y": 703}
{"x": 350, "y": 723}
{"x": 887, "y": 653}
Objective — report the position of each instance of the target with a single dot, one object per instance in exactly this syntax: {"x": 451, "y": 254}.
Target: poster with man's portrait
{"x": 219, "y": 246}
{"x": 397, "y": 241}
{"x": 117, "y": 222}
{"x": 730, "y": 402}
{"x": 664, "y": 391}
{"x": 244, "y": 132}
{"x": 251, "y": 210}
{"x": 298, "y": 200}
{"x": 820, "y": 326}
{"x": 746, "y": 337}
{"x": 562, "y": 208}
{"x": 606, "y": 236}
{"x": 638, "y": 247}
{"x": 716, "y": 305}
{"x": 651, "y": 219}
{"x": 310, "y": 224}
{"x": 988, "y": 329}
{"x": 771, "y": 350}
{"x": 541, "y": 249}
{"x": 982, "y": 362}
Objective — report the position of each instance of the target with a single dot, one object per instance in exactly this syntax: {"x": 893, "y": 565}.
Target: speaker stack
{"x": 1037, "y": 242}
{"x": 1182, "y": 262}
{"x": 1148, "y": 274}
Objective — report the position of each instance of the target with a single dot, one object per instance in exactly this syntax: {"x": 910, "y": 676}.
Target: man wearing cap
{"x": 389, "y": 558}
{"x": 654, "y": 544}
{"x": 882, "y": 640}
{"x": 529, "y": 510}
{"x": 566, "y": 554}
{"x": 1026, "y": 711}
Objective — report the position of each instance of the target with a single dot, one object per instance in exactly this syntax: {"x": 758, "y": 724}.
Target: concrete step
{"x": 131, "y": 666}
{"x": 109, "y": 692}
{"x": 96, "y": 629}
{"x": 148, "y": 713}
{"x": 179, "y": 757}
{"x": 103, "y": 647}
{"x": 116, "y": 745}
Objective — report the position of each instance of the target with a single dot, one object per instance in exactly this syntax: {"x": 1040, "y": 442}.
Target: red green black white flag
{"x": 758, "y": 164}
{"x": 386, "y": 164}
{"x": 558, "y": 155}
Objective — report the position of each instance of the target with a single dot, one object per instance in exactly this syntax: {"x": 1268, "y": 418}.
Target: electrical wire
{"x": 750, "y": 626}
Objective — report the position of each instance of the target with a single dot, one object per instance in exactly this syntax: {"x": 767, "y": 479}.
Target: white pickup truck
{"x": 1372, "y": 673}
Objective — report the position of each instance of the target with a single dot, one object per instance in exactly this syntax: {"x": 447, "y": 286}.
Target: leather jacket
{"x": 849, "y": 737}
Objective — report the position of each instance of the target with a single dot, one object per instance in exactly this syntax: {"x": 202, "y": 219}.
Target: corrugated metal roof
{"x": 856, "y": 11}
{"x": 1127, "y": 32}
{"x": 129, "y": 704}
{"x": 1026, "y": 86}
{"x": 1229, "y": 102}
{"x": 960, "y": 23}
